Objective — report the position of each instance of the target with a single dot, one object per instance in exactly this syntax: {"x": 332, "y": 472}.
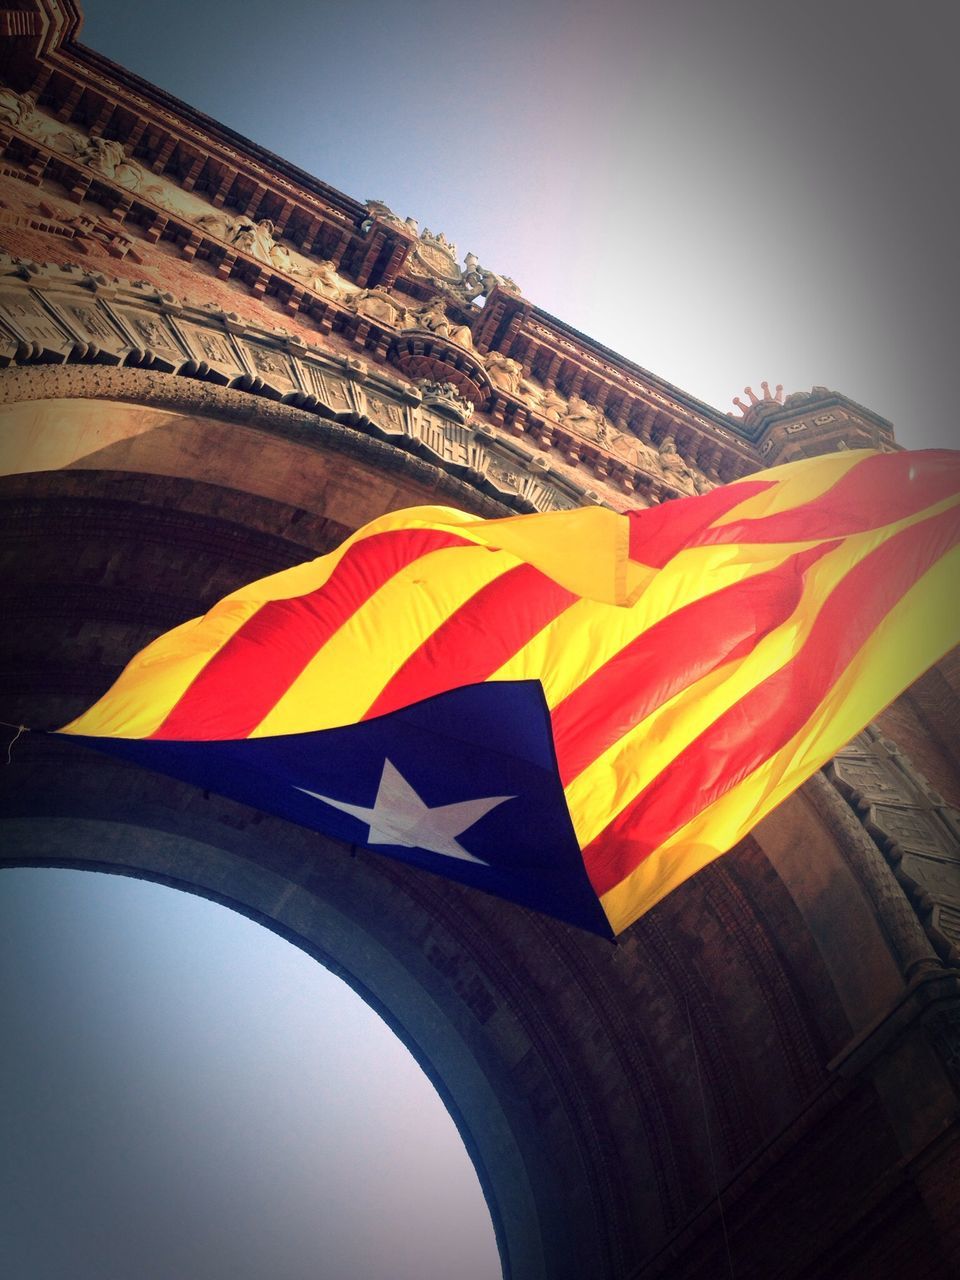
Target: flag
{"x": 575, "y": 710}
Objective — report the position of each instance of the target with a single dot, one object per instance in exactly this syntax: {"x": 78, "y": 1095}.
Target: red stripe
{"x": 658, "y": 533}
{"x": 484, "y": 633}
{"x": 878, "y": 491}
{"x": 670, "y": 656}
{"x": 247, "y": 676}
{"x": 763, "y": 721}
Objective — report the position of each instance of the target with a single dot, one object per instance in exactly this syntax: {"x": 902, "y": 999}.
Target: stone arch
{"x": 617, "y": 1100}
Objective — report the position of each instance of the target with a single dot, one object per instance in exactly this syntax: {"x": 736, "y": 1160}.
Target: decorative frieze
{"x": 267, "y": 245}
{"x": 66, "y": 315}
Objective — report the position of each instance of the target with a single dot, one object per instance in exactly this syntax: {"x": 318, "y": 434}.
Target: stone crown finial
{"x": 768, "y": 397}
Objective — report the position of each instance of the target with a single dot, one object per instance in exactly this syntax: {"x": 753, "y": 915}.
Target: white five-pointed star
{"x": 400, "y": 817}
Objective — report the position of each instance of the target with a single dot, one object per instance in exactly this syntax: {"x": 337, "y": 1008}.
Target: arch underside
{"x": 715, "y": 1074}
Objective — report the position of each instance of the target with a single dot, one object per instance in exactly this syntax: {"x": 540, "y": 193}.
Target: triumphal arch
{"x": 215, "y": 366}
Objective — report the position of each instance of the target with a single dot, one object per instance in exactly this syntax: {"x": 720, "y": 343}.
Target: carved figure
{"x": 255, "y": 238}
{"x": 380, "y": 305}
{"x": 505, "y": 374}
{"x": 216, "y": 224}
{"x": 327, "y": 280}
{"x": 476, "y": 281}
{"x": 281, "y": 257}
{"x": 53, "y": 134}
{"x": 634, "y": 450}
{"x": 552, "y": 404}
{"x": 674, "y": 467}
{"x": 15, "y": 108}
{"x": 586, "y": 419}
{"x": 380, "y": 212}
{"x": 102, "y": 154}
{"x": 433, "y": 317}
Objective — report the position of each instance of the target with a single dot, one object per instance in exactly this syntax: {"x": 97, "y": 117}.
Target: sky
{"x": 187, "y": 1095}
{"x": 722, "y": 190}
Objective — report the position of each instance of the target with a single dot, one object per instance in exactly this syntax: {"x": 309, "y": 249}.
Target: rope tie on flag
{"x": 21, "y": 729}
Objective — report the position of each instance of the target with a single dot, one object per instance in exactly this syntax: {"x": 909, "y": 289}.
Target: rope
{"x": 21, "y": 729}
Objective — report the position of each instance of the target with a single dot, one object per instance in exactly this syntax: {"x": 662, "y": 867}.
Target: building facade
{"x": 213, "y": 366}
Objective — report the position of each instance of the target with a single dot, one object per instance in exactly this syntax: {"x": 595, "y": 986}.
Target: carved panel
{"x": 909, "y": 828}
{"x": 213, "y": 353}
{"x": 463, "y": 450}
{"x": 391, "y": 418}
{"x": 269, "y": 369}
{"x": 153, "y": 332}
{"x": 98, "y": 338}
{"x": 867, "y": 776}
{"x": 940, "y": 879}
{"x": 28, "y": 321}
{"x": 338, "y": 394}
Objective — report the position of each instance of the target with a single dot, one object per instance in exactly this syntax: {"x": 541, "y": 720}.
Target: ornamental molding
{"x": 52, "y": 315}
{"x": 120, "y": 206}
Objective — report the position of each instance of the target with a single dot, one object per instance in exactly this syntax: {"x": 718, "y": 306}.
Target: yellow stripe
{"x": 586, "y": 550}
{"x": 158, "y": 676}
{"x": 602, "y": 790}
{"x": 598, "y": 794}
{"x": 351, "y": 669}
{"x": 587, "y": 635}
{"x": 921, "y": 628}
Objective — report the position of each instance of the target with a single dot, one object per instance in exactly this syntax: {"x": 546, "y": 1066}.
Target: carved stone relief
{"x": 257, "y": 239}
{"x": 434, "y": 258}
{"x": 432, "y": 317}
{"x": 504, "y": 373}
{"x": 380, "y": 305}
{"x": 446, "y": 399}
{"x": 69, "y": 315}
{"x": 916, "y": 830}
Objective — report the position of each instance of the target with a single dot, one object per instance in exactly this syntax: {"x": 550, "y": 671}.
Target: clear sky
{"x": 724, "y": 191}
{"x": 186, "y": 1096}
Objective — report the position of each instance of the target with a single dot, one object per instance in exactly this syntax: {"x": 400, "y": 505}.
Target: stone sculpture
{"x": 446, "y": 399}
{"x": 505, "y": 374}
{"x": 15, "y": 108}
{"x": 477, "y": 282}
{"x": 380, "y": 212}
{"x": 433, "y": 317}
{"x": 380, "y": 305}
{"x": 552, "y": 405}
{"x": 673, "y": 466}
{"x": 582, "y": 417}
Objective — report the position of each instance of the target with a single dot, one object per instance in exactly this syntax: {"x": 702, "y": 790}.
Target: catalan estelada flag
{"x": 574, "y": 710}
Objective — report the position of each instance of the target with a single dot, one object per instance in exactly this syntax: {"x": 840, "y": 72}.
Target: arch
{"x": 614, "y": 1098}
